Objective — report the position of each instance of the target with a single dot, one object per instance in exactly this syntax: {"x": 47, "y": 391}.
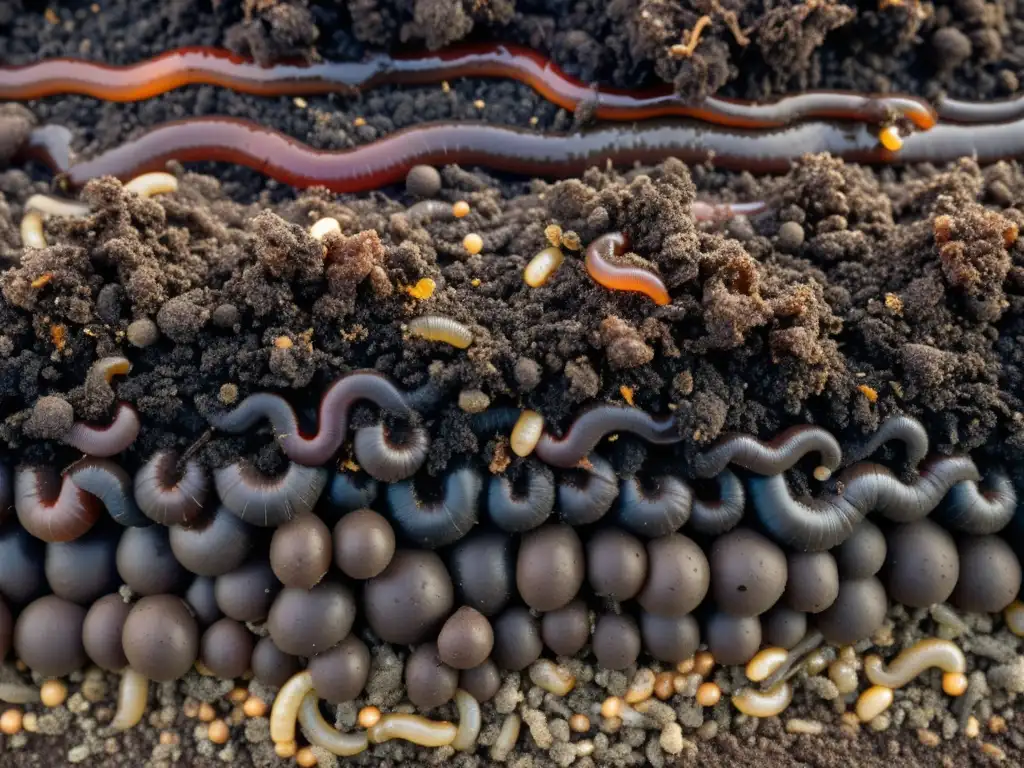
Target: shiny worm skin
{"x": 925, "y": 654}
{"x": 618, "y": 277}
{"x": 153, "y": 183}
{"x": 388, "y": 461}
{"x": 595, "y": 423}
{"x": 166, "y": 497}
{"x": 713, "y": 518}
{"x": 443, "y": 329}
{"x": 333, "y": 415}
{"x": 526, "y": 433}
{"x": 772, "y": 457}
{"x": 132, "y": 694}
{"x": 470, "y": 722}
{"x": 52, "y": 508}
{"x": 104, "y": 442}
{"x": 349, "y": 491}
{"x": 268, "y": 501}
{"x": 654, "y": 511}
{"x": 285, "y": 710}
{"x": 969, "y": 509}
{"x": 494, "y": 421}
{"x": 109, "y": 483}
{"x": 324, "y": 735}
{"x": 31, "y": 230}
{"x": 508, "y": 735}
{"x": 517, "y": 513}
{"x": 413, "y": 728}
{"x": 901, "y": 428}
{"x": 543, "y": 266}
{"x": 53, "y": 206}
{"x": 586, "y": 495}
{"x": 754, "y": 703}
{"x": 443, "y": 522}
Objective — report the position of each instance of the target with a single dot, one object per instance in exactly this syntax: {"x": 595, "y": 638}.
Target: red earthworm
{"x": 967, "y": 508}
{"x": 49, "y": 512}
{"x": 659, "y": 510}
{"x": 903, "y": 428}
{"x": 385, "y": 460}
{"x": 618, "y": 277}
{"x": 593, "y": 424}
{"x": 516, "y": 513}
{"x": 268, "y": 501}
{"x": 443, "y": 522}
{"x": 109, "y": 483}
{"x": 107, "y": 441}
{"x": 166, "y": 497}
{"x": 212, "y": 66}
{"x": 587, "y": 501}
{"x": 713, "y": 518}
{"x": 333, "y": 416}
{"x": 772, "y": 457}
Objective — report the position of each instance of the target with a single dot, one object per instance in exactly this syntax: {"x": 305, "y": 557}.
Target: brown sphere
{"x": 812, "y": 581}
{"x": 922, "y": 565}
{"x": 990, "y": 575}
{"x": 410, "y": 600}
{"x": 246, "y": 593}
{"x": 340, "y": 674}
{"x": 201, "y": 597}
{"x": 671, "y": 639}
{"x": 748, "y": 572}
{"x": 482, "y": 683}
{"x": 616, "y": 564}
{"x": 550, "y": 567}
{"x": 160, "y": 638}
{"x": 517, "y": 642}
{"x": 466, "y": 639}
{"x": 678, "y": 576}
{"x": 6, "y": 629}
{"x": 856, "y": 614}
{"x": 272, "y": 666}
{"x": 212, "y": 547}
{"x": 732, "y": 639}
{"x": 429, "y": 682}
{"x": 616, "y": 641}
{"x": 300, "y": 552}
{"x": 226, "y": 648}
{"x": 146, "y": 563}
{"x": 48, "y": 636}
{"x": 306, "y": 622}
{"x": 364, "y": 543}
{"x": 566, "y": 630}
{"x": 483, "y": 567}
{"x": 85, "y": 569}
{"x": 863, "y": 554}
{"x": 101, "y": 632}
{"x": 783, "y": 627}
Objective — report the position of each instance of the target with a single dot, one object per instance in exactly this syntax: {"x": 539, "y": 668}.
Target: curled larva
{"x": 32, "y": 230}
{"x": 526, "y": 433}
{"x": 413, "y": 728}
{"x": 149, "y": 184}
{"x": 286, "y": 707}
{"x": 131, "y": 700}
{"x": 52, "y": 206}
{"x": 470, "y": 721}
{"x": 439, "y": 328}
{"x": 755, "y": 703}
{"x": 543, "y": 266}
{"x": 931, "y": 652}
{"x": 323, "y": 734}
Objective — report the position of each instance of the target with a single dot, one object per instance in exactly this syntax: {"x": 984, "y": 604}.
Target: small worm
{"x": 439, "y": 328}
{"x": 515, "y": 513}
{"x": 494, "y": 421}
{"x": 103, "y": 371}
{"x": 324, "y": 735}
{"x": 526, "y": 433}
{"x": 593, "y": 424}
{"x": 902, "y": 428}
{"x": 109, "y": 483}
{"x": 713, "y": 518}
{"x": 426, "y": 210}
{"x": 321, "y": 227}
{"x": 931, "y": 652}
{"x": 268, "y": 501}
{"x": 166, "y": 497}
{"x": 656, "y": 512}
{"x": 470, "y": 721}
{"x": 333, "y": 416}
{"x": 585, "y": 501}
{"x": 414, "y": 728}
{"x": 621, "y": 278}
{"x": 705, "y": 211}
{"x": 873, "y": 702}
{"x": 387, "y": 461}
{"x": 552, "y": 677}
{"x": 802, "y": 651}
{"x": 508, "y": 735}
{"x": 765, "y": 662}
{"x": 443, "y": 522}
{"x": 543, "y": 266}
{"x": 969, "y": 509}
{"x": 772, "y": 457}
{"x": 350, "y": 491}
{"x": 49, "y": 512}
{"x": 149, "y": 184}
{"x": 31, "y": 230}
{"x": 53, "y": 206}
{"x": 103, "y": 442}
{"x": 132, "y": 694}
{"x": 285, "y": 710}
{"x": 755, "y": 703}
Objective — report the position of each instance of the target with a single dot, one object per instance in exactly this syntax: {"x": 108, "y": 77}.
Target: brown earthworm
{"x": 324, "y": 735}
{"x": 107, "y": 441}
{"x": 618, "y": 277}
{"x": 166, "y": 498}
{"x": 268, "y": 501}
{"x": 593, "y": 424}
{"x": 443, "y": 522}
{"x": 131, "y": 700}
{"x": 413, "y": 728}
{"x": 931, "y": 652}
{"x": 385, "y": 460}
{"x": 49, "y": 512}
{"x": 772, "y": 457}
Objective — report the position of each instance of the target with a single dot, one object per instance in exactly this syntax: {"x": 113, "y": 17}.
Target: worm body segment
{"x": 439, "y": 328}
{"x": 470, "y": 721}
{"x": 588, "y": 499}
{"x": 109, "y": 483}
{"x": 325, "y": 735}
{"x": 931, "y": 652}
{"x": 656, "y": 512}
{"x": 772, "y": 457}
{"x": 755, "y": 703}
{"x": 131, "y": 700}
{"x": 104, "y": 442}
{"x": 443, "y": 522}
{"x": 285, "y": 710}
{"x": 622, "y": 278}
{"x": 268, "y": 501}
{"x": 967, "y": 508}
{"x": 594, "y": 424}
{"x": 49, "y": 511}
{"x": 517, "y": 513}
{"x": 903, "y": 428}
{"x": 385, "y": 460}
{"x": 713, "y": 518}
{"x": 413, "y": 728}
{"x": 165, "y": 498}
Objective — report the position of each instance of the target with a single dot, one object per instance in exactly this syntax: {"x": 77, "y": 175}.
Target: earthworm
{"x": 333, "y": 415}
{"x": 430, "y": 209}
{"x": 587, "y": 500}
{"x": 470, "y": 721}
{"x": 413, "y": 728}
{"x": 594, "y": 423}
{"x": 713, "y": 518}
{"x": 552, "y": 677}
{"x": 132, "y": 694}
{"x": 508, "y": 735}
{"x": 658, "y": 512}
{"x": 31, "y": 230}
{"x": 516, "y": 513}
{"x": 214, "y": 66}
{"x": 109, "y": 483}
{"x": 324, "y": 735}
{"x": 443, "y": 329}
{"x": 755, "y": 703}
{"x": 543, "y": 266}
{"x": 103, "y": 442}
{"x": 494, "y": 421}
{"x": 526, "y": 433}
{"x": 873, "y": 702}
{"x": 967, "y": 508}
{"x": 772, "y": 457}
{"x": 164, "y": 496}
{"x": 931, "y": 652}
{"x": 385, "y": 460}
{"x": 51, "y": 513}
{"x": 443, "y": 522}
{"x": 286, "y": 705}
{"x": 349, "y": 491}
{"x": 618, "y": 277}
{"x": 268, "y": 501}
{"x": 902, "y": 428}
{"x": 149, "y": 184}
{"x": 53, "y": 206}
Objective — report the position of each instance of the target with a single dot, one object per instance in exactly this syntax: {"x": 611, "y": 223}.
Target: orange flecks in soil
{"x": 423, "y": 289}
{"x": 59, "y": 336}
{"x": 894, "y": 303}
{"x": 627, "y": 393}
{"x": 283, "y": 342}
{"x": 42, "y": 280}
{"x": 359, "y": 122}
{"x": 1010, "y": 235}
{"x": 685, "y": 50}
{"x": 868, "y": 392}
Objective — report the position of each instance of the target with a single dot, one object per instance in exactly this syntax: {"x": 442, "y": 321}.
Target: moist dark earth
{"x": 836, "y": 306}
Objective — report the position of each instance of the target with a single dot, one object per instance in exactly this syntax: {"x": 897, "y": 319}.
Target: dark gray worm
{"x": 385, "y": 460}
{"x": 656, "y": 511}
{"x": 774, "y": 456}
{"x": 586, "y": 495}
{"x": 443, "y": 522}
{"x": 969, "y": 509}
{"x": 515, "y": 513}
{"x": 349, "y": 491}
{"x": 713, "y": 518}
{"x": 269, "y": 501}
{"x": 167, "y": 497}
{"x": 597, "y": 422}
{"x": 902, "y": 428}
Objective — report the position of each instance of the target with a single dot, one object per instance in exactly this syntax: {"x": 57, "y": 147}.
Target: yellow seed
{"x": 764, "y": 663}
{"x": 642, "y": 686}
{"x": 709, "y": 694}
{"x": 423, "y": 289}
{"x": 10, "y": 722}
{"x": 368, "y": 717}
{"x": 663, "y": 685}
{"x": 30, "y": 722}
{"x": 218, "y": 732}
{"x": 993, "y": 751}
{"x": 254, "y": 707}
{"x": 53, "y": 693}
{"x": 300, "y": 102}
{"x": 954, "y": 683}
{"x": 890, "y": 138}
{"x": 821, "y": 474}
{"x": 359, "y": 122}
{"x": 703, "y": 663}
{"x": 526, "y": 433}
{"x": 611, "y": 707}
{"x": 685, "y": 667}
{"x": 579, "y": 723}
{"x": 460, "y": 209}
{"x": 42, "y": 280}
{"x": 973, "y": 728}
{"x": 206, "y": 712}
{"x": 473, "y": 243}
{"x": 238, "y": 695}
{"x": 479, "y": 104}
{"x": 873, "y": 702}
{"x": 167, "y": 738}
{"x": 305, "y": 758}
{"x": 997, "y": 724}
{"x": 542, "y": 267}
